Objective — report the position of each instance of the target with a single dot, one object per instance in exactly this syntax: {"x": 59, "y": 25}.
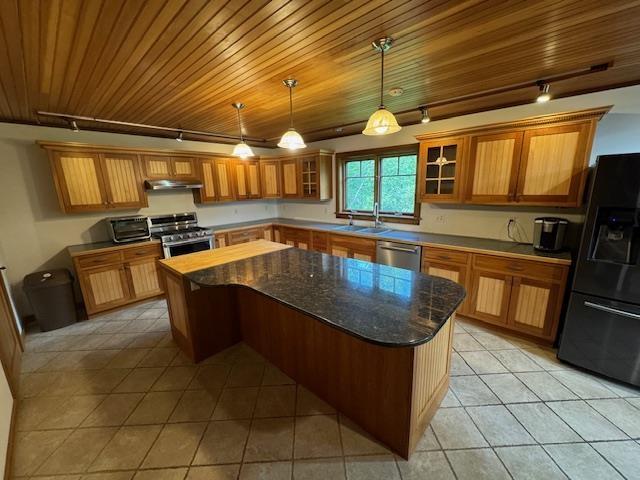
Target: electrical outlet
{"x": 326, "y": 210}
{"x": 439, "y": 219}
{"x": 235, "y": 211}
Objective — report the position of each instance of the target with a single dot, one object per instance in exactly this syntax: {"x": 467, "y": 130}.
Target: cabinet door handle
{"x": 444, "y": 257}
{"x": 514, "y": 268}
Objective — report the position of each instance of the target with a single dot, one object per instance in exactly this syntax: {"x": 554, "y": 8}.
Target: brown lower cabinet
{"x": 519, "y": 295}
{"x": 449, "y": 264}
{"x": 296, "y": 237}
{"x": 352, "y": 247}
{"x": 118, "y": 277}
{"x": 244, "y": 235}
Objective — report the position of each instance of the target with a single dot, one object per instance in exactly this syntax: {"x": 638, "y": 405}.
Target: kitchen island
{"x": 373, "y": 341}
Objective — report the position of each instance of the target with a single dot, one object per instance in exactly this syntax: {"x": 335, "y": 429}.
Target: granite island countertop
{"x": 458, "y": 242}
{"x": 380, "y": 304}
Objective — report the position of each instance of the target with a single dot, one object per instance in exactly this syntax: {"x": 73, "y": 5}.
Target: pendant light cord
{"x": 382, "y": 77}
{"x": 290, "y": 107}
{"x": 239, "y": 125}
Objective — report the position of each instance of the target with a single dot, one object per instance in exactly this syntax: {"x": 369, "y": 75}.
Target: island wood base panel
{"x": 391, "y": 392}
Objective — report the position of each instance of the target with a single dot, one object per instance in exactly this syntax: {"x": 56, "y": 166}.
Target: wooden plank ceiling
{"x": 180, "y": 63}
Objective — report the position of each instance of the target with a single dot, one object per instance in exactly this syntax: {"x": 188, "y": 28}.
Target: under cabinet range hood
{"x": 171, "y": 184}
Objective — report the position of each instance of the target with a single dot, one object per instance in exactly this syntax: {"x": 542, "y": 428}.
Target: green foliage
{"x": 397, "y": 184}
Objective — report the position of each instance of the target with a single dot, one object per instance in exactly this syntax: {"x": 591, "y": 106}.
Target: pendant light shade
{"x": 382, "y": 121}
{"x": 241, "y": 150}
{"x": 291, "y": 139}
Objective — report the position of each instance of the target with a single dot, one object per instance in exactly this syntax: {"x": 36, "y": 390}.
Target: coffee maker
{"x": 548, "y": 233}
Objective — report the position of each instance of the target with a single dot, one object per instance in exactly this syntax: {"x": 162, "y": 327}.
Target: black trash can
{"x": 50, "y": 294}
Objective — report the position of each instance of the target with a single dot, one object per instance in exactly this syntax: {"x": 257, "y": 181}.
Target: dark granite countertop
{"x": 83, "y": 248}
{"x": 383, "y": 305}
{"x": 468, "y": 243}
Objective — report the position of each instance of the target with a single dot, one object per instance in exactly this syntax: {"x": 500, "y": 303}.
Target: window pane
{"x": 389, "y": 166}
{"x": 353, "y": 169}
{"x": 397, "y": 194}
{"x": 408, "y": 165}
{"x": 359, "y": 185}
{"x": 398, "y": 186}
{"x": 368, "y": 168}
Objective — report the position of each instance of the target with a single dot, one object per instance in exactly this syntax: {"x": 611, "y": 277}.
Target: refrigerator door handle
{"x": 615, "y": 311}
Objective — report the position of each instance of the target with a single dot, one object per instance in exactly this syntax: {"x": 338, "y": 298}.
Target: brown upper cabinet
{"x": 165, "y": 166}
{"x": 247, "y": 179}
{"x": 493, "y": 167}
{"x": 216, "y": 175}
{"x": 307, "y": 176}
{"x": 92, "y": 180}
{"x": 536, "y": 161}
{"x": 440, "y": 169}
{"x": 270, "y": 178}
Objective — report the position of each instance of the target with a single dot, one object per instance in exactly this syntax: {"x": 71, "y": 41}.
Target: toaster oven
{"x": 129, "y": 229}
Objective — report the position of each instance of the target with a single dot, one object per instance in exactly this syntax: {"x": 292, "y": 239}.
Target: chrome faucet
{"x": 351, "y": 219}
{"x": 376, "y": 215}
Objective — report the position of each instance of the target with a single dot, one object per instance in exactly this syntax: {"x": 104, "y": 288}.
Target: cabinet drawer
{"x": 444, "y": 255}
{"x": 247, "y": 235}
{"x": 97, "y": 260}
{"x": 352, "y": 242}
{"x": 523, "y": 268}
{"x": 297, "y": 234}
{"x": 140, "y": 252}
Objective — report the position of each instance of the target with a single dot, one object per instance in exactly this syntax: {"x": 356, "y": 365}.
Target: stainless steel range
{"x": 180, "y": 234}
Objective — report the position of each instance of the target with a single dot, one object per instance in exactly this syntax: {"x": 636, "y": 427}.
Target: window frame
{"x": 376, "y": 154}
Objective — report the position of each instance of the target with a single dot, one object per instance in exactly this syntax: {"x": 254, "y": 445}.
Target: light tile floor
{"x": 113, "y": 399}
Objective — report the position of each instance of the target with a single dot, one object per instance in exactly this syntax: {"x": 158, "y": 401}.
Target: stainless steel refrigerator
{"x": 602, "y": 326}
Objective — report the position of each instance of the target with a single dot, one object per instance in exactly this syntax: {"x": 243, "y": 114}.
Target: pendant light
{"x": 543, "y": 96}
{"x": 291, "y": 139}
{"x": 425, "y": 115}
{"x": 241, "y": 150}
{"x": 382, "y": 121}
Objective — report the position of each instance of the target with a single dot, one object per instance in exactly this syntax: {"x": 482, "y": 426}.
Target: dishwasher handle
{"x": 413, "y": 250}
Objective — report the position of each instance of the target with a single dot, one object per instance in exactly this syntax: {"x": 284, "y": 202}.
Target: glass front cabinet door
{"x": 440, "y": 163}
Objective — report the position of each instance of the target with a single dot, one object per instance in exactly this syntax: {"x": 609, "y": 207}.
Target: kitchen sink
{"x": 375, "y": 230}
{"x": 350, "y": 228}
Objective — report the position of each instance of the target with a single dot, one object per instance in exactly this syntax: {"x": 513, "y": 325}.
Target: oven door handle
{"x": 615, "y": 311}
{"x": 188, "y": 242}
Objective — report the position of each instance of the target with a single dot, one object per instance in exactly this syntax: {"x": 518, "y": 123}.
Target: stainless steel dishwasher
{"x": 399, "y": 255}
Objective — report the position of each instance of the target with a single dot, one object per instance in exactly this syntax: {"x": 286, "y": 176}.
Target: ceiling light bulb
{"x": 179, "y": 137}
{"x": 425, "y": 115}
{"x": 74, "y": 126}
{"x": 291, "y": 139}
{"x": 544, "y": 95}
{"x": 242, "y": 150}
{"x": 382, "y": 121}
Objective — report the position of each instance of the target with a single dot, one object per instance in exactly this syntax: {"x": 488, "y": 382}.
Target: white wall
{"x": 617, "y": 133}
{"x": 6, "y": 405}
{"x": 34, "y": 233}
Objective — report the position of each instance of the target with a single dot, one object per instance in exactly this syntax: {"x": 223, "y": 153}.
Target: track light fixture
{"x": 291, "y": 139}
{"x": 544, "y": 95}
{"x": 74, "y": 126}
{"x": 425, "y": 115}
{"x": 241, "y": 150}
{"x": 382, "y": 121}
{"x": 179, "y": 137}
